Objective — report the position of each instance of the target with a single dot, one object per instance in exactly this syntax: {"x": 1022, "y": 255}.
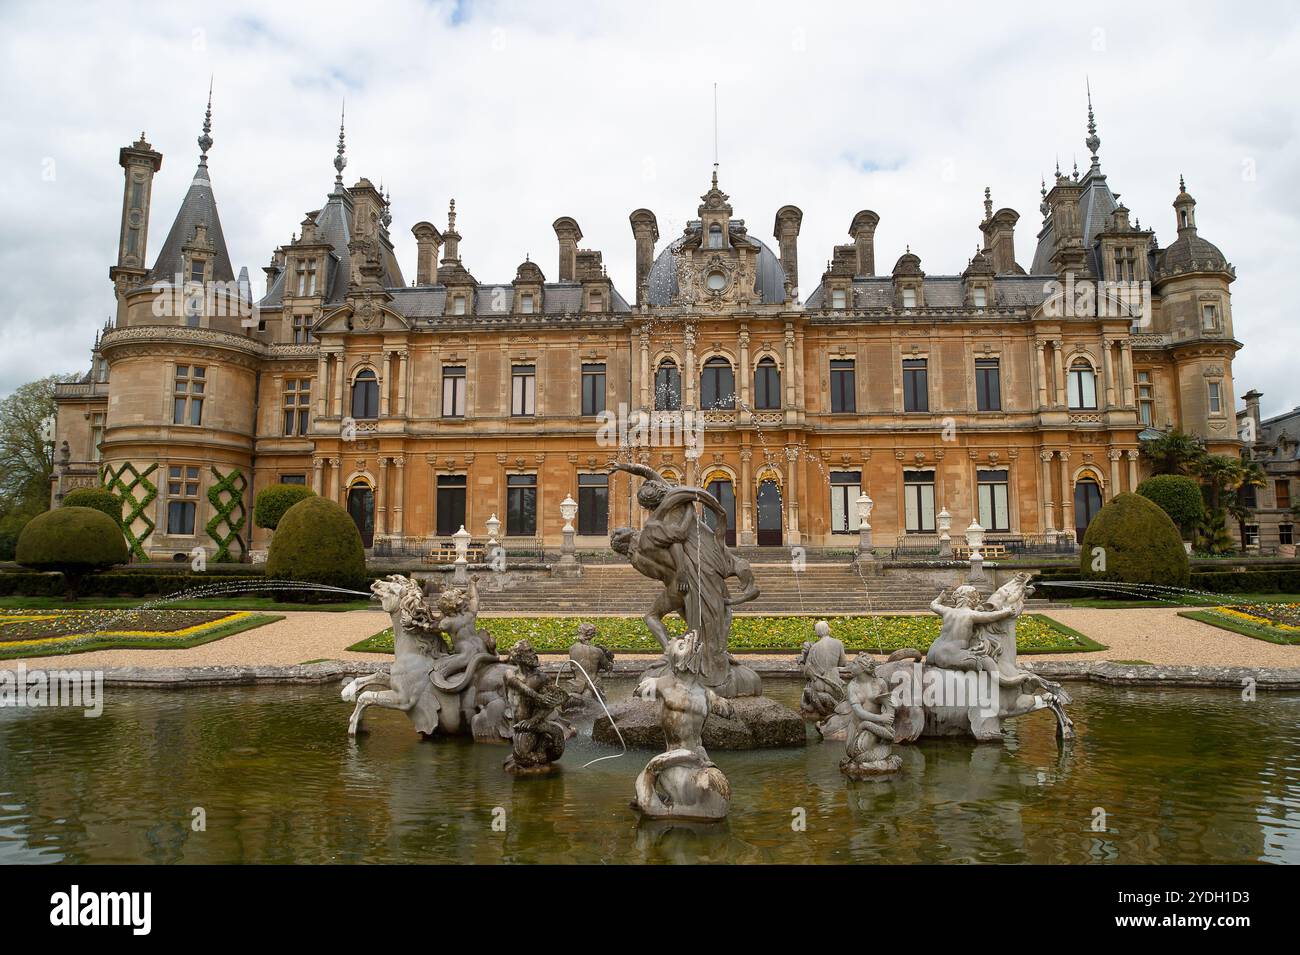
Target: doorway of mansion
{"x": 769, "y": 514}
{"x": 1087, "y": 502}
{"x": 361, "y": 507}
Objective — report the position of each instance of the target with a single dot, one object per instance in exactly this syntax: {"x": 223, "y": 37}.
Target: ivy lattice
{"x": 226, "y": 496}
{"x": 125, "y": 482}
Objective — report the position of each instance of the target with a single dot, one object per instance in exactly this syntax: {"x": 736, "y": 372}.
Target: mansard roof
{"x": 769, "y": 277}
{"x": 558, "y": 299}
{"x": 941, "y": 291}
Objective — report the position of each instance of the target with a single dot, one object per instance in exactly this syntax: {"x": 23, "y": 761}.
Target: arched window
{"x": 668, "y": 387}
{"x": 1083, "y": 385}
{"x": 715, "y": 236}
{"x": 767, "y": 385}
{"x": 365, "y": 395}
{"x": 717, "y": 384}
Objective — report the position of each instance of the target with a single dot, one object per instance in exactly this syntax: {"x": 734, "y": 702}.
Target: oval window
{"x": 716, "y": 281}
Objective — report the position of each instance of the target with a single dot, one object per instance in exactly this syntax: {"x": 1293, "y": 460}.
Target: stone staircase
{"x": 617, "y": 589}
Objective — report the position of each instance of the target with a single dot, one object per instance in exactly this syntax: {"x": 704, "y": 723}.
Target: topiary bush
{"x": 317, "y": 541}
{"x": 1179, "y": 497}
{"x": 1132, "y": 540}
{"x": 75, "y": 541}
{"x": 100, "y": 498}
{"x": 272, "y": 503}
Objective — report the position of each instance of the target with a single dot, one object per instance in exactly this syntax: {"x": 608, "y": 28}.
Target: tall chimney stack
{"x": 786, "y": 232}
{"x": 567, "y": 231}
{"x": 427, "y": 242}
{"x": 863, "y": 232}
{"x": 646, "y": 232}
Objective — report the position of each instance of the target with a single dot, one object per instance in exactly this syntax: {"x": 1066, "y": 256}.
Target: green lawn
{"x": 1036, "y": 634}
{"x": 209, "y": 603}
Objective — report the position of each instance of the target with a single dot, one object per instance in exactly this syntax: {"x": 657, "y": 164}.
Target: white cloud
{"x": 528, "y": 112}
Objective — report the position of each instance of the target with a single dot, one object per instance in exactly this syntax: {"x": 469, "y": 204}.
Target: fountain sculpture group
{"x": 966, "y": 684}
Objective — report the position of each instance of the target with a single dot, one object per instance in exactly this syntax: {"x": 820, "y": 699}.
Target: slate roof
{"x": 558, "y": 298}
{"x": 769, "y": 278}
{"x": 940, "y": 291}
{"x": 198, "y": 207}
{"x": 1096, "y": 205}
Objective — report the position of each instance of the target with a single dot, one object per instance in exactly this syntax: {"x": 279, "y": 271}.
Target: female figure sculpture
{"x": 869, "y": 751}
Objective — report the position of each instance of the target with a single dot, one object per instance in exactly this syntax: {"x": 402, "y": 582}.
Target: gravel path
{"x": 1156, "y": 635}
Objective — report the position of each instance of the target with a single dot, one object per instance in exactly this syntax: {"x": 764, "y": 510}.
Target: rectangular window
{"x": 1216, "y": 398}
{"x": 839, "y": 298}
{"x": 1282, "y": 492}
{"x": 187, "y": 403}
{"x": 916, "y": 389}
{"x": 453, "y": 391}
{"x": 979, "y": 296}
{"x": 1146, "y": 400}
{"x": 523, "y": 390}
{"x": 182, "y": 499}
{"x": 96, "y": 434}
{"x": 909, "y": 298}
{"x": 843, "y": 386}
{"x": 293, "y": 479}
{"x": 593, "y": 505}
{"x": 302, "y": 330}
{"x": 593, "y": 389}
{"x": 196, "y": 270}
{"x": 450, "y": 503}
{"x": 1083, "y": 386}
{"x": 1209, "y": 317}
{"x": 597, "y": 301}
{"x": 1285, "y": 534}
{"x": 1252, "y": 535}
{"x": 458, "y": 305}
{"x": 846, "y": 488}
{"x": 994, "y": 512}
{"x": 918, "y": 501}
{"x": 297, "y": 406}
{"x": 521, "y": 505}
{"x": 526, "y": 303}
{"x": 988, "y": 384}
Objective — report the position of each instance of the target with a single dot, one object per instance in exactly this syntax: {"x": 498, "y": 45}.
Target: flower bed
{"x": 41, "y": 632}
{"x": 1274, "y": 622}
{"x": 1034, "y": 634}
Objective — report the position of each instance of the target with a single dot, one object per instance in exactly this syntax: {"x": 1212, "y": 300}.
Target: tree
{"x": 26, "y": 459}
{"x": 1249, "y": 475}
{"x": 75, "y": 541}
{"x": 1174, "y": 452}
{"x": 100, "y": 498}
{"x": 272, "y": 503}
{"x": 1179, "y": 497}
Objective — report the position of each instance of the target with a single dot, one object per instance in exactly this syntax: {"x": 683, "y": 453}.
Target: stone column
{"x": 1132, "y": 469}
{"x": 787, "y": 377}
{"x": 403, "y": 384}
{"x": 744, "y": 381}
{"x": 745, "y": 500}
{"x": 338, "y": 384}
{"x": 647, "y": 377}
{"x": 1049, "y": 516}
{"x": 335, "y": 490}
{"x": 399, "y": 497}
{"x": 318, "y": 475}
{"x": 1108, "y": 369}
{"x": 1126, "y": 370}
{"x": 1067, "y": 495}
{"x": 1114, "y": 455}
{"x": 321, "y": 384}
{"x": 381, "y": 500}
{"x": 1058, "y": 358}
{"x": 792, "y": 492}
{"x": 1041, "y": 348}
{"x": 690, "y": 381}
{"x": 385, "y": 383}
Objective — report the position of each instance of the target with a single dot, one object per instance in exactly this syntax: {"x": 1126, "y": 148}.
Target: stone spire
{"x": 1093, "y": 142}
{"x": 205, "y": 140}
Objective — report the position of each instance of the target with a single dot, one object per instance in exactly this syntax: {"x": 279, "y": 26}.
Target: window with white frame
{"x": 992, "y": 493}
{"x": 1082, "y": 385}
{"x": 189, "y": 392}
{"x": 523, "y": 390}
{"x": 918, "y": 501}
{"x": 182, "y": 499}
{"x": 297, "y": 406}
{"x": 526, "y": 303}
{"x": 839, "y": 298}
{"x": 302, "y": 330}
{"x": 846, "y": 488}
{"x": 979, "y": 296}
{"x": 453, "y": 391}
{"x": 909, "y": 298}
{"x": 1146, "y": 398}
{"x": 458, "y": 305}
{"x": 1216, "y": 398}
{"x": 1209, "y": 316}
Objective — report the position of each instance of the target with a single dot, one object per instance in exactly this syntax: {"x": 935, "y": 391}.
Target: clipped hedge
{"x": 274, "y": 502}
{"x": 1178, "y": 496}
{"x": 317, "y": 541}
{"x": 100, "y": 498}
{"x": 1131, "y": 540}
{"x": 75, "y": 541}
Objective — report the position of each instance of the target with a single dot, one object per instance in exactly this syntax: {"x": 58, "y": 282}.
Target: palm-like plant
{"x": 1249, "y": 474}
{"x": 1174, "y": 452}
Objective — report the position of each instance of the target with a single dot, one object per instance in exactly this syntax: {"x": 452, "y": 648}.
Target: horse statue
{"x": 455, "y": 690}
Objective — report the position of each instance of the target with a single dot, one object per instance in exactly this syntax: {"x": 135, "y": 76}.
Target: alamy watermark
{"x": 1086, "y": 298}
{"x": 38, "y": 689}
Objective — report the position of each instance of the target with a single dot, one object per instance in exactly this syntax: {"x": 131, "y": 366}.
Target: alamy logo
{"x": 35, "y": 689}
{"x": 74, "y": 907}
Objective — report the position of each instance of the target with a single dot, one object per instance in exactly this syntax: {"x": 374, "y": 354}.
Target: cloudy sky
{"x": 526, "y": 112}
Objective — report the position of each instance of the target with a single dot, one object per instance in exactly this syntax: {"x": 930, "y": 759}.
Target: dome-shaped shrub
{"x": 1132, "y": 540}
{"x": 316, "y": 541}
{"x": 76, "y": 541}
{"x": 100, "y": 498}
{"x": 1178, "y": 496}
{"x": 272, "y": 503}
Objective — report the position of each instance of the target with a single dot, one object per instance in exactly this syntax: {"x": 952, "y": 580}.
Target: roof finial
{"x": 1044, "y": 207}
{"x": 1182, "y": 186}
{"x": 451, "y": 216}
{"x": 340, "y": 161}
{"x": 386, "y": 217}
{"x": 1093, "y": 142}
{"x": 205, "y": 141}
{"x": 988, "y": 203}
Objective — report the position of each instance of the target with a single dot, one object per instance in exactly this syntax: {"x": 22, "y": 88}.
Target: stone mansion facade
{"x": 1010, "y": 395}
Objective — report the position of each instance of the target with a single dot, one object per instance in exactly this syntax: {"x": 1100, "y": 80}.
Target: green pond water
{"x": 1185, "y": 776}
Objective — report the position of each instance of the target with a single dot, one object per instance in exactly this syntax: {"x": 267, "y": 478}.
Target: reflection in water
{"x": 1187, "y": 776}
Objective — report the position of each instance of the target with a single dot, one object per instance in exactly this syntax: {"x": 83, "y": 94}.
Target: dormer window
{"x": 526, "y": 303}
{"x": 909, "y": 298}
{"x": 979, "y": 297}
{"x": 715, "y": 236}
{"x": 458, "y": 305}
{"x": 196, "y": 270}
{"x": 597, "y": 301}
{"x": 839, "y": 298}
{"x": 307, "y": 277}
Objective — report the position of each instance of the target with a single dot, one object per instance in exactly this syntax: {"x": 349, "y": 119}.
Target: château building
{"x": 1008, "y": 393}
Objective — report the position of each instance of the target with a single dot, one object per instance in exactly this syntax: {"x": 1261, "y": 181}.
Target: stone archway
{"x": 361, "y": 508}
{"x": 769, "y": 510}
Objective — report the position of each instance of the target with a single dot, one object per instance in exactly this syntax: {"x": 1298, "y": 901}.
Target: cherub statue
{"x": 869, "y": 750}
{"x": 821, "y": 663}
{"x": 683, "y": 783}
{"x": 538, "y": 738}
{"x": 593, "y": 659}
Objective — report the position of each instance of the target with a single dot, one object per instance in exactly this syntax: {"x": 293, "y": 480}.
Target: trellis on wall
{"x": 137, "y": 493}
{"x": 226, "y": 495}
